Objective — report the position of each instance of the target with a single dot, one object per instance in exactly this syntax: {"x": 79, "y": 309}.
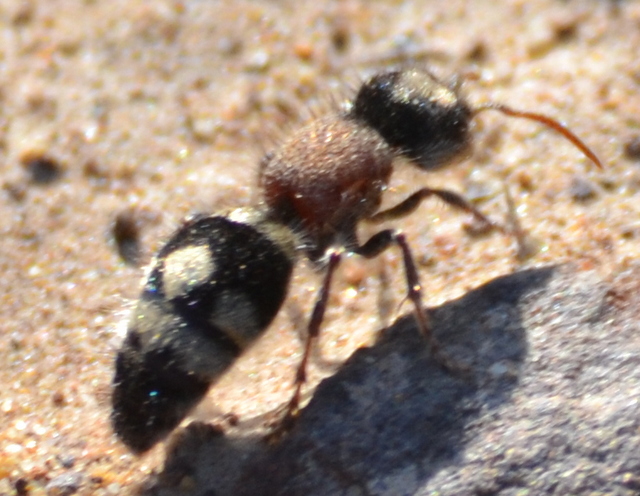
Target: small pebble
{"x": 41, "y": 168}
{"x": 632, "y": 148}
{"x": 22, "y": 487}
{"x": 582, "y": 190}
{"x": 64, "y": 485}
{"x": 126, "y": 233}
{"x": 67, "y": 461}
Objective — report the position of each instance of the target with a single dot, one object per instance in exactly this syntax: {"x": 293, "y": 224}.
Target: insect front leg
{"x": 412, "y": 202}
{"x": 378, "y": 243}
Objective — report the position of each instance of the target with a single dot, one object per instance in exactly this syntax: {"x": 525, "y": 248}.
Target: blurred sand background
{"x": 119, "y": 118}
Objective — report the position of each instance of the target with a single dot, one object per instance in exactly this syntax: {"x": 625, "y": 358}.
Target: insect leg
{"x": 378, "y": 243}
{"x": 313, "y": 331}
{"x": 411, "y": 203}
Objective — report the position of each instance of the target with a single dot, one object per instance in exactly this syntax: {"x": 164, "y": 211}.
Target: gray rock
{"x": 550, "y": 405}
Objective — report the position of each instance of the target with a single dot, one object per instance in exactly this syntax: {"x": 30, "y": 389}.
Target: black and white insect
{"x": 219, "y": 281}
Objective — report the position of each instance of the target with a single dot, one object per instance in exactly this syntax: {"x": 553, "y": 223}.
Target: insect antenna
{"x": 548, "y": 122}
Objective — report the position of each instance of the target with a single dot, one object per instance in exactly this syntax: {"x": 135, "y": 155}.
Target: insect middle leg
{"x": 293, "y": 407}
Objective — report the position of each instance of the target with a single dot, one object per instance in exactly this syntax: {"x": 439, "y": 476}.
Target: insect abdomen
{"x": 211, "y": 292}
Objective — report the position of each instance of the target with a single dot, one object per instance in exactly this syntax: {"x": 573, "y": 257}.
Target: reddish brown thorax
{"x": 327, "y": 176}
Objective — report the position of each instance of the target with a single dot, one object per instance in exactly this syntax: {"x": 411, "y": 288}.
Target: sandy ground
{"x": 120, "y": 118}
